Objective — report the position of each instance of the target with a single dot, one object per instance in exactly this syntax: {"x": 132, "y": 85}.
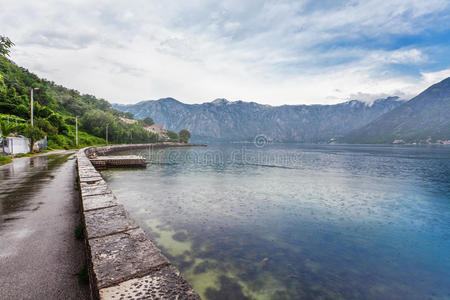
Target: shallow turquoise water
{"x": 293, "y": 221}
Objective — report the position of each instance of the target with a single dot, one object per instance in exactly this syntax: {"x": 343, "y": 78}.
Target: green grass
{"x": 5, "y": 160}
{"x": 23, "y": 155}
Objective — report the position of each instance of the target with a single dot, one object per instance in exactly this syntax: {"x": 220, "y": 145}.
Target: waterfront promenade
{"x": 39, "y": 210}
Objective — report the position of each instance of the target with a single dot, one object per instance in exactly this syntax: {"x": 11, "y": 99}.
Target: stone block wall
{"x": 123, "y": 261}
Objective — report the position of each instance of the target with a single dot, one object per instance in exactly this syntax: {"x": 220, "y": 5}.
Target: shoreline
{"x": 105, "y": 150}
{"x": 122, "y": 257}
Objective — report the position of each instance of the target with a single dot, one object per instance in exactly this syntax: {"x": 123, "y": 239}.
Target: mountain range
{"x": 242, "y": 121}
{"x": 425, "y": 117}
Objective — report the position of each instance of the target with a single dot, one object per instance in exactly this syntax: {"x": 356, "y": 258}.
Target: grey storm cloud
{"x": 275, "y": 52}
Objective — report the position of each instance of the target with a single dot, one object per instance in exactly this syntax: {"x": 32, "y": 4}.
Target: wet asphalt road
{"x": 39, "y": 210}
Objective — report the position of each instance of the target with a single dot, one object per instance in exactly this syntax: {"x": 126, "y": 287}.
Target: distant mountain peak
{"x": 446, "y": 81}
{"x": 354, "y": 102}
{"x": 422, "y": 119}
{"x": 220, "y": 101}
{"x": 169, "y": 99}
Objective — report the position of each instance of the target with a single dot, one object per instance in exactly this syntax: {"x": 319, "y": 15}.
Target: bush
{"x": 69, "y": 120}
{"x": 22, "y": 111}
{"x": 6, "y": 108}
{"x": 46, "y": 126}
{"x": 173, "y": 136}
{"x": 42, "y": 111}
{"x": 57, "y": 121}
{"x": 58, "y": 141}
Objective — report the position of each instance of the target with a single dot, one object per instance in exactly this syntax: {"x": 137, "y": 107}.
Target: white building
{"x": 158, "y": 129}
{"x": 16, "y": 145}
{"x": 20, "y": 144}
{"x": 128, "y": 121}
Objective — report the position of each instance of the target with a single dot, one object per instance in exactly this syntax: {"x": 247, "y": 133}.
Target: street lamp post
{"x": 76, "y": 130}
{"x": 32, "y": 104}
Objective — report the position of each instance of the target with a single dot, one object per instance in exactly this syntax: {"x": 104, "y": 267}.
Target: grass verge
{"x": 5, "y": 160}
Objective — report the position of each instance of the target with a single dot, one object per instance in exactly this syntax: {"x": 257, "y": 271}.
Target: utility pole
{"x": 76, "y": 130}
{"x": 31, "y": 103}
{"x": 107, "y": 134}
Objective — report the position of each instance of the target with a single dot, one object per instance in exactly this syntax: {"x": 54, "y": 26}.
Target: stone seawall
{"x": 105, "y": 150}
{"x": 123, "y": 261}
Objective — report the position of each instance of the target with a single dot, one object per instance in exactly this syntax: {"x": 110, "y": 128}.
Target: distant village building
{"x": 128, "y": 121}
{"x": 159, "y": 130}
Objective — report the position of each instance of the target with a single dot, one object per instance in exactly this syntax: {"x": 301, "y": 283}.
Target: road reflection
{"x": 20, "y": 180}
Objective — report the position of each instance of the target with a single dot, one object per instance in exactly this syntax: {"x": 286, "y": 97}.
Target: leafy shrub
{"x": 22, "y": 111}
{"x": 42, "y": 111}
{"x": 173, "y": 136}
{"x": 6, "y": 108}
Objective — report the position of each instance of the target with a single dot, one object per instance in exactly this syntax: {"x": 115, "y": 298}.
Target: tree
{"x": 45, "y": 126}
{"x": 184, "y": 135}
{"x": 173, "y": 136}
{"x": 34, "y": 134}
{"x": 128, "y": 115}
{"x": 5, "y": 45}
{"x": 7, "y": 128}
{"x": 148, "y": 121}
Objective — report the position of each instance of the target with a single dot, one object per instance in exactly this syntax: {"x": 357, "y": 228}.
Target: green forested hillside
{"x": 55, "y": 108}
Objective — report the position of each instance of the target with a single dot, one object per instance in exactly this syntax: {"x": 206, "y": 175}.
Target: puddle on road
{"x": 21, "y": 180}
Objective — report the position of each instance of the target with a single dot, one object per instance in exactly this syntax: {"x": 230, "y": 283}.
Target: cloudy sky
{"x": 273, "y": 52}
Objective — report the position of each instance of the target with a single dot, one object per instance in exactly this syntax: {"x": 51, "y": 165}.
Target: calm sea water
{"x": 296, "y": 221}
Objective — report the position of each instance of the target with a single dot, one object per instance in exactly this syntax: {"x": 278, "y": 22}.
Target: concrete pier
{"x": 120, "y": 161}
{"x": 124, "y": 262}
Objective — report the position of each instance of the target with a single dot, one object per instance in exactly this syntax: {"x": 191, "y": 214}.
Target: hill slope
{"x": 55, "y": 108}
{"x": 237, "y": 121}
{"x": 424, "y": 117}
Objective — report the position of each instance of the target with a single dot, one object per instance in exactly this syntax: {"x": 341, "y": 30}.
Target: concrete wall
{"x": 21, "y": 144}
{"x": 16, "y": 145}
{"x": 123, "y": 261}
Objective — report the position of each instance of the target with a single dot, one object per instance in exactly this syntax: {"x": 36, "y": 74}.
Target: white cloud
{"x": 433, "y": 77}
{"x": 274, "y": 52}
{"x": 408, "y": 56}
